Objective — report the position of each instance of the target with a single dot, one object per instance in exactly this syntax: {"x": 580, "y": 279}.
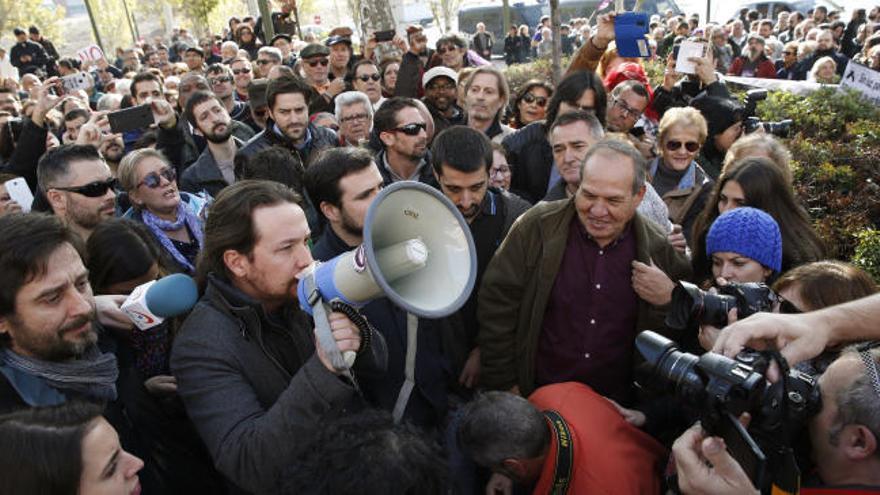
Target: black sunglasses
{"x": 541, "y": 101}
{"x": 786, "y": 307}
{"x": 690, "y": 145}
{"x": 220, "y": 80}
{"x": 366, "y": 77}
{"x": 154, "y": 179}
{"x": 411, "y": 129}
{"x": 241, "y": 71}
{"x": 92, "y": 189}
{"x": 263, "y": 62}
{"x": 314, "y": 63}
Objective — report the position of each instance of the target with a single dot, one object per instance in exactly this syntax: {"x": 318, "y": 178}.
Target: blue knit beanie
{"x": 748, "y": 232}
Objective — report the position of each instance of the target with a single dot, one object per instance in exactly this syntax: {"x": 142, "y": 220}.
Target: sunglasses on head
{"x": 241, "y": 71}
{"x": 411, "y": 129}
{"x": 691, "y": 146}
{"x": 154, "y": 179}
{"x": 541, "y": 101}
{"x": 314, "y": 63}
{"x": 92, "y": 189}
{"x": 366, "y": 77}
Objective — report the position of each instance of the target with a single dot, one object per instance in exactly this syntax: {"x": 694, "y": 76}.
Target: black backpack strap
{"x": 564, "y": 453}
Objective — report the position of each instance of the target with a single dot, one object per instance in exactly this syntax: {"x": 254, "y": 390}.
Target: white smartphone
{"x": 76, "y": 82}
{"x": 19, "y": 191}
{"x": 688, "y": 49}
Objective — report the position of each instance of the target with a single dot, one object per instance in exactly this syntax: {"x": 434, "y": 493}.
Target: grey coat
{"x": 248, "y": 409}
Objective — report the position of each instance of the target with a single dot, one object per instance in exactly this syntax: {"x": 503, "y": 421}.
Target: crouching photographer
{"x": 843, "y": 436}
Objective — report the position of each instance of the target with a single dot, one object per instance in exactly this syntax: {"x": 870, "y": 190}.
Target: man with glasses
{"x": 221, "y": 80}
{"x": 207, "y": 45}
{"x": 355, "y": 116}
{"x": 79, "y": 187}
{"x": 366, "y": 80}
{"x": 288, "y": 124}
{"x": 627, "y": 102}
{"x": 242, "y": 73}
{"x": 315, "y": 67}
{"x": 402, "y": 132}
{"x": 441, "y": 85}
{"x": 267, "y": 57}
{"x": 785, "y": 66}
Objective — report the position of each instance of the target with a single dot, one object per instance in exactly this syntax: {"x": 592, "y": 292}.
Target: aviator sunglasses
{"x": 690, "y": 145}
{"x": 154, "y": 179}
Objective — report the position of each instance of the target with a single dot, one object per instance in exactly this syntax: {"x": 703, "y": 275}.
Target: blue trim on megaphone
{"x": 324, "y": 282}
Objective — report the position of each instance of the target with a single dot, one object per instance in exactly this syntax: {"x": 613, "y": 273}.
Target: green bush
{"x": 540, "y": 69}
{"x": 867, "y": 254}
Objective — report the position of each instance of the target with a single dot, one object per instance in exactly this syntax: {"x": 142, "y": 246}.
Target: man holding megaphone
{"x": 251, "y": 374}
{"x": 344, "y": 184}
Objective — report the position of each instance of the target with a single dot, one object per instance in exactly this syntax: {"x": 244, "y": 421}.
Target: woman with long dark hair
{"x": 530, "y": 103}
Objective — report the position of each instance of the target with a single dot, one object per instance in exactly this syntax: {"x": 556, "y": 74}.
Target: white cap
{"x": 437, "y": 72}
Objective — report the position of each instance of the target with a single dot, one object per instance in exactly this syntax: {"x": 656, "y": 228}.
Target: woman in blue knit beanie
{"x": 745, "y": 245}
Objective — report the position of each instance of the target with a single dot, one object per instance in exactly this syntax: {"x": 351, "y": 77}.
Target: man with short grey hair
{"x": 355, "y": 116}
{"x": 267, "y": 57}
{"x": 572, "y": 314}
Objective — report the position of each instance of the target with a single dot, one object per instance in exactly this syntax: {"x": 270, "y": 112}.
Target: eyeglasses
{"x": 260, "y": 113}
{"x": 499, "y": 171}
{"x": 357, "y": 116}
{"x": 445, "y": 49}
{"x": 787, "y": 307}
{"x": 367, "y": 77}
{"x": 246, "y": 70}
{"x": 154, "y": 179}
{"x": 411, "y": 129}
{"x": 314, "y": 63}
{"x": 541, "y": 101}
{"x": 789, "y": 53}
{"x": 263, "y": 61}
{"x": 220, "y": 80}
{"x": 691, "y": 146}
{"x": 625, "y": 109}
{"x": 92, "y": 189}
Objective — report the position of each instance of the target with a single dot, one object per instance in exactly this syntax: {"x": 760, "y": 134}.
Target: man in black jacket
{"x": 401, "y": 131}
{"x": 214, "y": 169}
{"x": 253, "y": 378}
{"x": 288, "y": 124}
{"x": 28, "y": 57}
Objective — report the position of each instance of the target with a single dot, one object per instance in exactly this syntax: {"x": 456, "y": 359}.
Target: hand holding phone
{"x": 19, "y": 193}
{"x": 130, "y": 119}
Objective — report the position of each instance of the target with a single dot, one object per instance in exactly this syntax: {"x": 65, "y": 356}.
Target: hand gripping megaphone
{"x": 417, "y": 251}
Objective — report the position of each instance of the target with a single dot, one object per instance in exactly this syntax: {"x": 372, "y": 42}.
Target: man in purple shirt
{"x": 556, "y": 303}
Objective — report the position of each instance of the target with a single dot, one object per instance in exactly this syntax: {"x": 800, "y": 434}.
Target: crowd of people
{"x": 592, "y": 204}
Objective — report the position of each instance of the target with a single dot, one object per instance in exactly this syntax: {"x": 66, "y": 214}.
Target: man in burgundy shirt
{"x": 753, "y": 62}
{"x": 556, "y": 303}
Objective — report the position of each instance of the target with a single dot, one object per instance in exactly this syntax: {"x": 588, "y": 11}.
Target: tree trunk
{"x": 555, "y": 26}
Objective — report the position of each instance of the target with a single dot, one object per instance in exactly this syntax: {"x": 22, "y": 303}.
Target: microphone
{"x": 149, "y": 304}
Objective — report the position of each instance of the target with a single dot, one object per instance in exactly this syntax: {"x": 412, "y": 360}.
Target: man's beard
{"x": 219, "y": 137}
{"x": 54, "y": 347}
{"x": 350, "y": 226}
{"x": 86, "y": 218}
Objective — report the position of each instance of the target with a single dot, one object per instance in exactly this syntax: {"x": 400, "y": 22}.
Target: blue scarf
{"x": 185, "y": 217}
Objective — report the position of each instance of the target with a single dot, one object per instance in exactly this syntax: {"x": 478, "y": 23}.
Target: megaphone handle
{"x": 322, "y": 328}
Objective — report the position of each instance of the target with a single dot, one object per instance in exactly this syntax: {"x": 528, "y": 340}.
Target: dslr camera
{"x": 720, "y": 389}
{"x": 692, "y": 305}
{"x": 751, "y": 123}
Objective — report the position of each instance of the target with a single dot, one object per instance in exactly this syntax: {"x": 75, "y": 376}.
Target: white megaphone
{"x": 417, "y": 251}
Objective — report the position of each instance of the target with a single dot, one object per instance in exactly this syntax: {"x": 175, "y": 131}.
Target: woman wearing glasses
{"x": 530, "y": 104}
{"x": 172, "y": 217}
{"x": 675, "y": 174}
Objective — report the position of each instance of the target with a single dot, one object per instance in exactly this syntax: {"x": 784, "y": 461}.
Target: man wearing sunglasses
{"x": 441, "y": 85}
{"x": 366, "y": 80}
{"x": 78, "y": 185}
{"x": 403, "y": 133}
{"x": 288, "y": 124}
{"x": 222, "y": 83}
{"x": 242, "y": 73}
{"x": 315, "y": 66}
{"x": 267, "y": 57}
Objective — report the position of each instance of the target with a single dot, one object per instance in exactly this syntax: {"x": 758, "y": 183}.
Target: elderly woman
{"x": 675, "y": 174}
{"x": 172, "y": 217}
{"x": 824, "y": 71}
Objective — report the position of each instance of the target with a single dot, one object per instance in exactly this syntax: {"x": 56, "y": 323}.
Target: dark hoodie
{"x": 720, "y": 113}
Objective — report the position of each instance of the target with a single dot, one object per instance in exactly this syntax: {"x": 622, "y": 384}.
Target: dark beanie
{"x": 720, "y": 113}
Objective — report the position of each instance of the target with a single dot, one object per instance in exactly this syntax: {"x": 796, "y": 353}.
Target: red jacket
{"x": 610, "y": 456}
{"x": 765, "y": 69}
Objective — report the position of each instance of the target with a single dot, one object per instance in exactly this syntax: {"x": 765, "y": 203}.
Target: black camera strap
{"x": 564, "y": 453}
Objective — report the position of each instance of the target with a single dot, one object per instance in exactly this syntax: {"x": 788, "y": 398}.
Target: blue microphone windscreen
{"x": 172, "y": 295}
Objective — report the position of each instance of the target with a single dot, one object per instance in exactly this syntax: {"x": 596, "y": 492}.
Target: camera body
{"x": 720, "y": 389}
{"x": 692, "y": 305}
{"x": 751, "y": 123}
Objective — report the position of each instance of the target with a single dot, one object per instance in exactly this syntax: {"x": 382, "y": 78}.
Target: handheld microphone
{"x": 149, "y": 304}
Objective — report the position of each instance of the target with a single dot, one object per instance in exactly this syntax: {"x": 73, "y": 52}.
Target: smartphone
{"x": 384, "y": 35}
{"x": 637, "y": 132}
{"x": 76, "y": 82}
{"x": 19, "y": 192}
{"x": 130, "y": 119}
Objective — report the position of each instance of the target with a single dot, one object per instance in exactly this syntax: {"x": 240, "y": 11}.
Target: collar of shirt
{"x": 415, "y": 176}
{"x": 582, "y": 231}
{"x": 306, "y": 142}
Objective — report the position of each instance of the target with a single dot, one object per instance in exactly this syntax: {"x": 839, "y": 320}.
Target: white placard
{"x": 688, "y": 49}
{"x": 863, "y": 80}
{"x": 91, "y": 53}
